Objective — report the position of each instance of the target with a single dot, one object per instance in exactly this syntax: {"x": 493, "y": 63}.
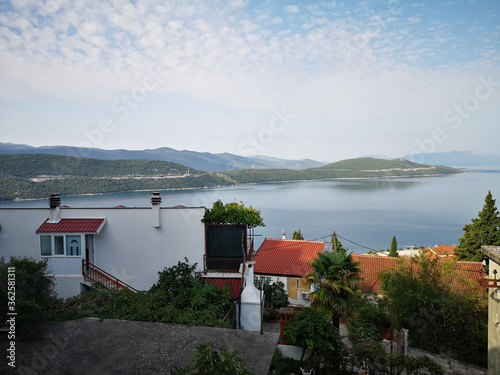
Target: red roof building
{"x": 372, "y": 266}
{"x": 286, "y": 257}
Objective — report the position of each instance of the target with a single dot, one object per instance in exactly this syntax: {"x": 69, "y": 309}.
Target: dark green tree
{"x": 311, "y": 329}
{"x": 297, "y": 235}
{"x": 484, "y": 230}
{"x": 394, "y": 248}
{"x": 31, "y": 297}
{"x": 337, "y": 280}
{"x": 336, "y": 244}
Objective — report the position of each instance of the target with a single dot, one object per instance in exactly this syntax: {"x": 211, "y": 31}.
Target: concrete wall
{"x": 449, "y": 365}
{"x": 494, "y": 323}
{"x": 129, "y": 246}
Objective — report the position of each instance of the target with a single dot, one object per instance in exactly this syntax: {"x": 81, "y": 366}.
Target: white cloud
{"x": 291, "y": 9}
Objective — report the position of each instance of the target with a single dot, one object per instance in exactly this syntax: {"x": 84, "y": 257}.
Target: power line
{"x": 355, "y": 243}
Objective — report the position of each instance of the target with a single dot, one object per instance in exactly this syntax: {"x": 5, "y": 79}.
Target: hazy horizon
{"x": 325, "y": 81}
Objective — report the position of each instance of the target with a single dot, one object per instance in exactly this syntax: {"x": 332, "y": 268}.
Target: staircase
{"x": 95, "y": 275}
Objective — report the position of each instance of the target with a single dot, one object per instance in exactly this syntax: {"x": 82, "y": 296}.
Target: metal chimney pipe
{"x": 55, "y": 208}
{"x": 155, "y": 202}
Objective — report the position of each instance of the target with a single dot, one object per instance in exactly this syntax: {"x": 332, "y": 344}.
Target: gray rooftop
{"x": 90, "y": 346}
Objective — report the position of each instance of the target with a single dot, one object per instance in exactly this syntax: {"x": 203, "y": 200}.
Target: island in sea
{"x": 32, "y": 176}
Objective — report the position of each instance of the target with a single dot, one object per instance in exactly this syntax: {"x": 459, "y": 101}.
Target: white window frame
{"x": 53, "y": 245}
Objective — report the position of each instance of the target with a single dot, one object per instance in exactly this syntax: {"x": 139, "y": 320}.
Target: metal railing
{"x": 97, "y": 275}
{"x": 222, "y": 262}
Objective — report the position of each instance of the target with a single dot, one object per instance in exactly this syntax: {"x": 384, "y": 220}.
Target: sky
{"x": 289, "y": 79}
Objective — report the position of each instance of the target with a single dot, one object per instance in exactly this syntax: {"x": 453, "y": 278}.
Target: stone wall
{"x": 450, "y": 366}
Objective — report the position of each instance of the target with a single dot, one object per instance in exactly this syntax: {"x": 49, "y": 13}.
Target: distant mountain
{"x": 458, "y": 159}
{"x": 203, "y": 161}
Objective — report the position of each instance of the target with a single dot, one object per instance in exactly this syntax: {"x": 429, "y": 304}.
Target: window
{"x": 58, "y": 245}
{"x": 73, "y": 245}
{"x": 46, "y": 245}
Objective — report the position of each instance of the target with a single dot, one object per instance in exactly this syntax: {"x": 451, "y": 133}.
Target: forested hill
{"x": 351, "y": 168}
{"x": 24, "y": 176}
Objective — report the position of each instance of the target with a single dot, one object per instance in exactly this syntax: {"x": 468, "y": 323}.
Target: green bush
{"x": 32, "y": 296}
{"x": 207, "y": 361}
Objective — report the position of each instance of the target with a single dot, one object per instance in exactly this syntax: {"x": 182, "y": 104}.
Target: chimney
{"x": 155, "y": 202}
{"x": 55, "y": 208}
{"x": 283, "y": 232}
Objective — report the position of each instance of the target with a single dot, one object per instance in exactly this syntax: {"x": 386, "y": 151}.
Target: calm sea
{"x": 365, "y": 213}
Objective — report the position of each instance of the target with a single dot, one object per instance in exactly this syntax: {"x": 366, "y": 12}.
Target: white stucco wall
{"x": 129, "y": 246}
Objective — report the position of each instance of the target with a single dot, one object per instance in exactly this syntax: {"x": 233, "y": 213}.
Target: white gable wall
{"x": 129, "y": 246}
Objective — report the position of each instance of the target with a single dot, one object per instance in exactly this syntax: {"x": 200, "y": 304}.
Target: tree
{"x": 276, "y": 296}
{"x": 336, "y": 244}
{"x": 394, "y": 248}
{"x": 484, "y": 230}
{"x": 32, "y": 295}
{"x": 312, "y": 330}
{"x": 233, "y": 213}
{"x": 337, "y": 280}
{"x": 444, "y": 313}
{"x": 297, "y": 235}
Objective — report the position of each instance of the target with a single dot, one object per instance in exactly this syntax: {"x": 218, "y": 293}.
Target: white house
{"x": 130, "y": 243}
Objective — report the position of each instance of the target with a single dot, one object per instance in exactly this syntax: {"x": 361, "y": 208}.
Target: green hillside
{"x": 351, "y": 168}
{"x": 28, "y": 176}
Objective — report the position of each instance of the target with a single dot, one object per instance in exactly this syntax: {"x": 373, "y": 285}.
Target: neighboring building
{"x": 287, "y": 261}
{"x": 438, "y": 251}
{"x": 492, "y": 283}
{"x": 131, "y": 244}
{"x": 372, "y": 266}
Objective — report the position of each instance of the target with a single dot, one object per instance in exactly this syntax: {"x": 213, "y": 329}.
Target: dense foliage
{"x": 275, "y": 295}
{"x": 207, "y": 361}
{"x": 484, "y": 230}
{"x": 297, "y": 235}
{"x": 31, "y": 292}
{"x": 443, "y": 313}
{"x": 312, "y": 330}
{"x": 233, "y": 213}
{"x": 180, "y": 296}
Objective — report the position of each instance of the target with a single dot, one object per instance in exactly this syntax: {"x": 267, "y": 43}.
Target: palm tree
{"x": 337, "y": 280}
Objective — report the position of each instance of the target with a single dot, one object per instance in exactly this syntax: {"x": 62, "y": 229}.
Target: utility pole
{"x": 334, "y": 241}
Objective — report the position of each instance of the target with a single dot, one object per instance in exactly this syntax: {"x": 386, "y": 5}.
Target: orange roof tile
{"x": 371, "y": 266}
{"x": 286, "y": 257}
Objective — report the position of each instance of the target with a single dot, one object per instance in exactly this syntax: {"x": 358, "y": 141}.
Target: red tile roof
{"x": 72, "y": 226}
{"x": 220, "y": 282}
{"x": 286, "y": 257}
{"x": 439, "y": 251}
{"x": 371, "y": 266}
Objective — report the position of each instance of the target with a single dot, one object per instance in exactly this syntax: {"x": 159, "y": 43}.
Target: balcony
{"x": 222, "y": 263}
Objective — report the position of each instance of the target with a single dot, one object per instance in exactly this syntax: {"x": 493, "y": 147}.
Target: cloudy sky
{"x": 290, "y": 79}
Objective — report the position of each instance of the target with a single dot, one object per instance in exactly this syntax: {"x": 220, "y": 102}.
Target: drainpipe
{"x": 55, "y": 208}
{"x": 155, "y": 202}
